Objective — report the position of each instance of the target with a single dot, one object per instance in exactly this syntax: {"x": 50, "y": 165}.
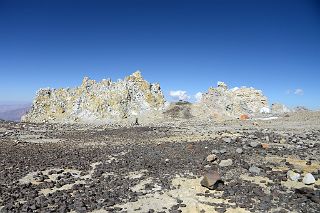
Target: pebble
{"x": 211, "y": 158}
{"x": 224, "y": 163}
{"x": 239, "y": 150}
{"x": 222, "y": 151}
{"x": 293, "y": 175}
{"x": 227, "y": 140}
{"x": 254, "y": 144}
{"x": 254, "y": 169}
{"x": 308, "y": 179}
{"x": 267, "y": 138}
{"x": 214, "y": 151}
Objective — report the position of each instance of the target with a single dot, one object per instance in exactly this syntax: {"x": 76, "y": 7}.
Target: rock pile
{"x": 233, "y": 102}
{"x": 105, "y": 101}
{"x": 181, "y": 109}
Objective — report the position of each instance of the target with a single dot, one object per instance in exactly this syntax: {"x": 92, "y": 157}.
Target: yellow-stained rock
{"x": 103, "y": 101}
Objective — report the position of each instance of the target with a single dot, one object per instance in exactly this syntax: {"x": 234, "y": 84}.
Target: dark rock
{"x": 211, "y": 180}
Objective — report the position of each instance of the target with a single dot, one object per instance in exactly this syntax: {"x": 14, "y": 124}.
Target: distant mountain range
{"x": 13, "y": 112}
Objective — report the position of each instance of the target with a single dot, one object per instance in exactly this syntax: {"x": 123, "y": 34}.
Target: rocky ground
{"x": 178, "y": 166}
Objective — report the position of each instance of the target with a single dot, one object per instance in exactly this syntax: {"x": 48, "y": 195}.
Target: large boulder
{"x": 97, "y": 101}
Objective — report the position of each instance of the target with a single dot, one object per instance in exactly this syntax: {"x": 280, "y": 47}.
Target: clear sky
{"x": 271, "y": 45}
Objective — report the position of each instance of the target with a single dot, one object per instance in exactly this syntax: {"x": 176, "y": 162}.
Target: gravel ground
{"x": 158, "y": 168}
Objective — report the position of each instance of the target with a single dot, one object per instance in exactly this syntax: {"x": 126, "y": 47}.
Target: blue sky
{"x": 184, "y": 45}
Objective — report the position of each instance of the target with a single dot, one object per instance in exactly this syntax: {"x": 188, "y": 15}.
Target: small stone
{"x": 308, "y": 179}
{"x": 214, "y": 151}
{"x": 254, "y": 169}
{"x": 227, "y": 140}
{"x": 254, "y": 144}
{"x": 291, "y": 175}
{"x": 222, "y": 151}
{"x": 267, "y": 138}
{"x": 224, "y": 163}
{"x": 282, "y": 141}
{"x": 211, "y": 180}
{"x": 265, "y": 146}
{"x": 211, "y": 158}
{"x": 239, "y": 150}
{"x": 304, "y": 190}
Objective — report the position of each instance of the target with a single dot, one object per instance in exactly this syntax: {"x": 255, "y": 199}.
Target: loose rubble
{"x": 176, "y": 166}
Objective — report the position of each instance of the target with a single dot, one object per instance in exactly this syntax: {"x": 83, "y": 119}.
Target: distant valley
{"x": 13, "y": 112}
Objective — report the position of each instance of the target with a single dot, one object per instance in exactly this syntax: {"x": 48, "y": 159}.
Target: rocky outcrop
{"x": 97, "y": 101}
{"x": 232, "y": 102}
{"x": 278, "y": 108}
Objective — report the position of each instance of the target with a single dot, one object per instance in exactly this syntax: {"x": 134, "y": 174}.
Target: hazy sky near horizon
{"x": 272, "y": 45}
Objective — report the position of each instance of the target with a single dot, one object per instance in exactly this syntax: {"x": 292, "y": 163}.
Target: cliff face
{"x": 104, "y": 101}
{"x": 233, "y": 102}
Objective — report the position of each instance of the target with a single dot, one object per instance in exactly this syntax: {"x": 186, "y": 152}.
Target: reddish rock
{"x": 244, "y": 117}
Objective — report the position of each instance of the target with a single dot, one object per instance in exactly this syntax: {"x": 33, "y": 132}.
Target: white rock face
{"x": 233, "y": 102}
{"x": 93, "y": 101}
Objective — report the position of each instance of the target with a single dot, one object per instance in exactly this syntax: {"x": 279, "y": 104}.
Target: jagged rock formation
{"x": 97, "y": 101}
{"x": 278, "y": 108}
{"x": 232, "y": 102}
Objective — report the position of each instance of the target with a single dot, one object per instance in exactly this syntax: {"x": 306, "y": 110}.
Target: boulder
{"x": 308, "y": 179}
{"x": 254, "y": 169}
{"x": 211, "y": 157}
{"x": 224, "y": 163}
{"x": 291, "y": 175}
{"x": 211, "y": 180}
